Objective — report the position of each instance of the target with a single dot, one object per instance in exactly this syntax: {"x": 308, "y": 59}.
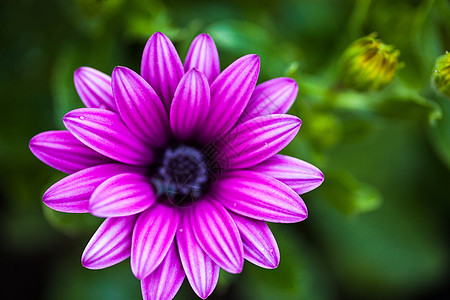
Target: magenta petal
{"x": 258, "y": 139}
{"x": 72, "y": 193}
{"x": 122, "y": 195}
{"x": 299, "y": 175}
{"x": 62, "y": 151}
{"x": 230, "y": 93}
{"x": 166, "y": 280}
{"x": 94, "y": 88}
{"x": 152, "y": 236}
{"x": 201, "y": 272}
{"x": 110, "y": 244}
{"x": 161, "y": 67}
{"x": 190, "y": 105}
{"x": 203, "y": 56}
{"x": 140, "y": 107}
{"x": 259, "y": 196}
{"x": 217, "y": 234}
{"x": 105, "y": 132}
{"x": 260, "y": 246}
{"x": 275, "y": 96}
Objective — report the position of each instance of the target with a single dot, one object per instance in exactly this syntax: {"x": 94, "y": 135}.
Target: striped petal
{"x": 61, "y": 150}
{"x": 105, "y": 132}
{"x": 275, "y": 96}
{"x": 203, "y": 56}
{"x": 190, "y": 105}
{"x": 299, "y": 175}
{"x": 94, "y": 88}
{"x": 161, "y": 67}
{"x": 258, "y": 139}
{"x": 72, "y": 193}
{"x": 110, "y": 244}
{"x": 152, "y": 236}
{"x": 201, "y": 272}
{"x": 122, "y": 195}
{"x": 259, "y": 196}
{"x": 260, "y": 246}
{"x": 218, "y": 235}
{"x": 140, "y": 107}
{"x": 230, "y": 93}
{"x": 166, "y": 280}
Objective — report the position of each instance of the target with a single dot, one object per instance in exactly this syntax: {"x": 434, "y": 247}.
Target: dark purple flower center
{"x": 182, "y": 175}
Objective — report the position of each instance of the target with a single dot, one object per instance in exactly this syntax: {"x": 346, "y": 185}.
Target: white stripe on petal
{"x": 110, "y": 244}
{"x": 166, "y": 280}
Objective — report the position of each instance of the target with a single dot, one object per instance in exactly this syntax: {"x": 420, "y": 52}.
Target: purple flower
{"x": 182, "y": 162}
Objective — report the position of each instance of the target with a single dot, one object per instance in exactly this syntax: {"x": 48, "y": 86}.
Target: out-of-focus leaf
{"x": 69, "y": 280}
{"x": 243, "y": 37}
{"x": 300, "y": 275}
{"x": 102, "y": 55}
{"x": 24, "y": 232}
{"x": 396, "y": 100}
{"x": 440, "y": 132}
{"x": 70, "y": 224}
{"x": 396, "y": 250}
{"x": 406, "y": 102}
{"x": 143, "y": 18}
{"x": 350, "y": 196}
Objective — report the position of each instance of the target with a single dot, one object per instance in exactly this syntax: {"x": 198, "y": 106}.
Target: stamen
{"x": 182, "y": 175}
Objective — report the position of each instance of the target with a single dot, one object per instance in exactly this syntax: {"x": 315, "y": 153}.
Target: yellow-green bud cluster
{"x": 368, "y": 64}
{"x": 441, "y": 74}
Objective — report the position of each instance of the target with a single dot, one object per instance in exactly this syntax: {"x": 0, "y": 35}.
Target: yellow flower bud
{"x": 368, "y": 64}
{"x": 441, "y": 74}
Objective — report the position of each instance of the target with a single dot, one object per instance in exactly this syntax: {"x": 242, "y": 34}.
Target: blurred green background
{"x": 378, "y": 227}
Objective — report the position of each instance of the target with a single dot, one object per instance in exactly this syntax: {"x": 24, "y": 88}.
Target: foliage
{"x": 378, "y": 224}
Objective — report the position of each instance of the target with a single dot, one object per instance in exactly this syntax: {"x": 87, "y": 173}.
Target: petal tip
{"x": 119, "y": 69}
{"x": 86, "y": 261}
{"x": 78, "y": 72}
{"x": 254, "y": 59}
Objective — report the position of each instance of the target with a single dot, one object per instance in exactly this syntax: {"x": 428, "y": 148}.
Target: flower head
{"x": 441, "y": 75}
{"x": 368, "y": 64}
{"x": 182, "y": 162}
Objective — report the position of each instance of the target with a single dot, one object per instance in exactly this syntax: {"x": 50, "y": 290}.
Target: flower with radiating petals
{"x": 182, "y": 163}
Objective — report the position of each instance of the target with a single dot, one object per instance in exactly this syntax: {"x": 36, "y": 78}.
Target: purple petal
{"x": 161, "y": 67}
{"x": 140, "y": 107}
{"x": 166, "y": 280}
{"x": 122, "y": 195}
{"x": 105, "y": 132}
{"x": 259, "y": 196}
{"x": 230, "y": 93}
{"x": 275, "y": 96}
{"x": 201, "y": 272}
{"x": 258, "y": 139}
{"x": 203, "y": 55}
{"x": 72, "y": 193}
{"x": 110, "y": 244}
{"x": 62, "y": 151}
{"x": 260, "y": 246}
{"x": 94, "y": 88}
{"x": 299, "y": 175}
{"x": 218, "y": 235}
{"x": 152, "y": 236}
{"x": 190, "y": 105}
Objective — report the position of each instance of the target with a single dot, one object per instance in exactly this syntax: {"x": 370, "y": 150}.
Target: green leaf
{"x": 298, "y": 276}
{"x": 350, "y": 196}
{"x": 440, "y": 132}
{"x": 69, "y": 280}
{"x": 242, "y": 37}
{"x": 71, "y": 224}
